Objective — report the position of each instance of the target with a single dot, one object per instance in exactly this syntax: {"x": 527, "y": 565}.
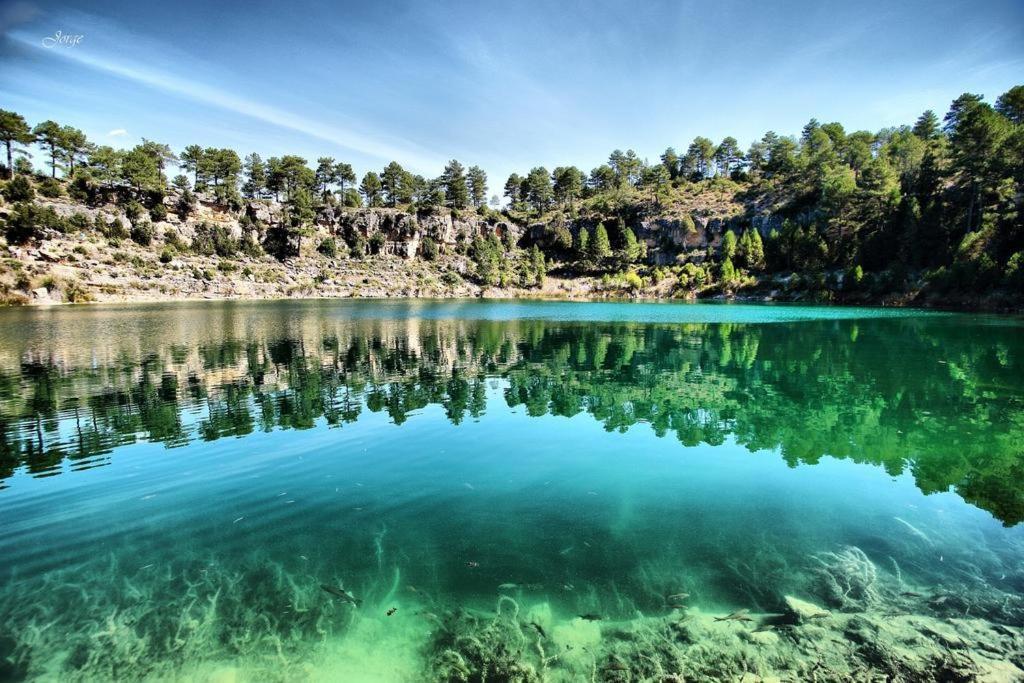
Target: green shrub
{"x": 328, "y": 247}
{"x": 19, "y": 189}
{"x": 84, "y": 188}
{"x": 167, "y": 255}
{"x": 79, "y": 221}
{"x": 158, "y": 212}
{"x": 142, "y": 233}
{"x": 429, "y": 249}
{"x": 377, "y": 241}
{"x": 214, "y": 239}
{"x": 451, "y": 279}
{"x": 133, "y": 210}
{"x": 116, "y": 230}
{"x": 51, "y": 187}
{"x": 1015, "y": 271}
{"x": 357, "y": 246}
{"x": 172, "y": 238}
{"x": 28, "y": 221}
{"x": 250, "y": 247}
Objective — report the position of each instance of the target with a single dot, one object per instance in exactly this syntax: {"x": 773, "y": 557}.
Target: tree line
{"x": 940, "y": 196}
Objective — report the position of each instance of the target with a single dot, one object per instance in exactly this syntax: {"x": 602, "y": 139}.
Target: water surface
{"x": 177, "y": 481}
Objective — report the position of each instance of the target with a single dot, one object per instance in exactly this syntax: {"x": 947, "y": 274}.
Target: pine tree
{"x": 600, "y": 247}
{"x": 13, "y": 131}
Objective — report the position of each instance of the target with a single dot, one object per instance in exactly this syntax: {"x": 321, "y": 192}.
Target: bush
{"x": 377, "y": 241}
{"x": 186, "y": 202}
{"x": 142, "y": 233}
{"x": 28, "y": 221}
{"x": 116, "y": 230}
{"x": 19, "y": 189}
{"x": 357, "y": 246}
{"x": 173, "y": 239}
{"x": 250, "y": 247}
{"x": 79, "y": 221}
{"x": 1015, "y": 271}
{"x": 214, "y": 239}
{"x": 158, "y": 212}
{"x": 133, "y": 210}
{"x": 328, "y": 247}
{"x": 167, "y": 255}
{"x": 84, "y": 188}
{"x": 451, "y": 279}
{"x": 51, "y": 187}
{"x": 429, "y": 249}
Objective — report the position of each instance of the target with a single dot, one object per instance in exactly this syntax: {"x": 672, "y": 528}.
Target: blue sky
{"x": 506, "y": 86}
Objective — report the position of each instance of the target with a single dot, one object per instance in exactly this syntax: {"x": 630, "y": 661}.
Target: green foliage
{"x": 250, "y": 247}
{"x": 538, "y": 265}
{"x": 377, "y": 242}
{"x": 599, "y": 247}
{"x": 50, "y": 187}
{"x": 451, "y": 279}
{"x": 328, "y": 247}
{"x": 357, "y": 245}
{"x": 214, "y": 239}
{"x": 115, "y": 230}
{"x": 27, "y": 221}
{"x": 18, "y": 189}
{"x": 372, "y": 189}
{"x": 453, "y": 181}
{"x": 166, "y": 255}
{"x": 134, "y": 210}
{"x": 142, "y": 233}
{"x": 429, "y": 249}
{"x": 727, "y": 273}
{"x": 729, "y": 246}
{"x": 486, "y": 253}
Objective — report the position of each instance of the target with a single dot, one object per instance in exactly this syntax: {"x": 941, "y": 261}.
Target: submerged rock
{"x": 801, "y": 611}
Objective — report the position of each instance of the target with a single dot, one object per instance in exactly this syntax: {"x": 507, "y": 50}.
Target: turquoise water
{"x": 177, "y": 482}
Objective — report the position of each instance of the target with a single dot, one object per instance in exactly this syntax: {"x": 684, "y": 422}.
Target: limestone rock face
{"x": 403, "y": 232}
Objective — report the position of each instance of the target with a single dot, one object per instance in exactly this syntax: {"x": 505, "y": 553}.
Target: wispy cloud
{"x": 117, "y": 133}
{"x": 243, "y": 106}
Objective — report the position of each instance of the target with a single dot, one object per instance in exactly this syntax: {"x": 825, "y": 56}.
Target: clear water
{"x": 178, "y": 481}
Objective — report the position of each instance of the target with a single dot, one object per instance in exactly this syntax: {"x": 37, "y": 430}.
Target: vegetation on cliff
{"x": 929, "y": 212}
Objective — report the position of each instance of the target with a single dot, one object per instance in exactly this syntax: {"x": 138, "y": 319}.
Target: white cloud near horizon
{"x": 117, "y": 132}
{"x": 218, "y": 97}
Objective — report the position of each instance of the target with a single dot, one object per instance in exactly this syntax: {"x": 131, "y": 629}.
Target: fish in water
{"x": 472, "y": 565}
{"x": 739, "y": 615}
{"x": 568, "y": 587}
{"x": 391, "y": 611}
{"x": 911, "y": 594}
{"x": 341, "y": 593}
{"x": 678, "y": 597}
{"x": 508, "y": 586}
{"x": 590, "y": 617}
{"x": 537, "y": 627}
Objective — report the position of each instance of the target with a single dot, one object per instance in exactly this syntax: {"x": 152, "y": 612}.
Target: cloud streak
{"x": 117, "y": 133}
{"x": 217, "y": 97}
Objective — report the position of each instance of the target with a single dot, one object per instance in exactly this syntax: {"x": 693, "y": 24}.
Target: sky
{"x": 506, "y": 86}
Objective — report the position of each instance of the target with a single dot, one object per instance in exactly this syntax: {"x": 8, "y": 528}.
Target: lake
{"x": 525, "y": 491}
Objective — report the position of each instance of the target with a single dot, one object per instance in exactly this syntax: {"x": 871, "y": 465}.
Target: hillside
{"x": 930, "y": 214}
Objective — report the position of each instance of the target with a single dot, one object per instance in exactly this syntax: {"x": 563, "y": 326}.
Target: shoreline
{"x": 504, "y": 295}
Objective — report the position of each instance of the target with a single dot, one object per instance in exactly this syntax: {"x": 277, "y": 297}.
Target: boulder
{"x": 801, "y": 611}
